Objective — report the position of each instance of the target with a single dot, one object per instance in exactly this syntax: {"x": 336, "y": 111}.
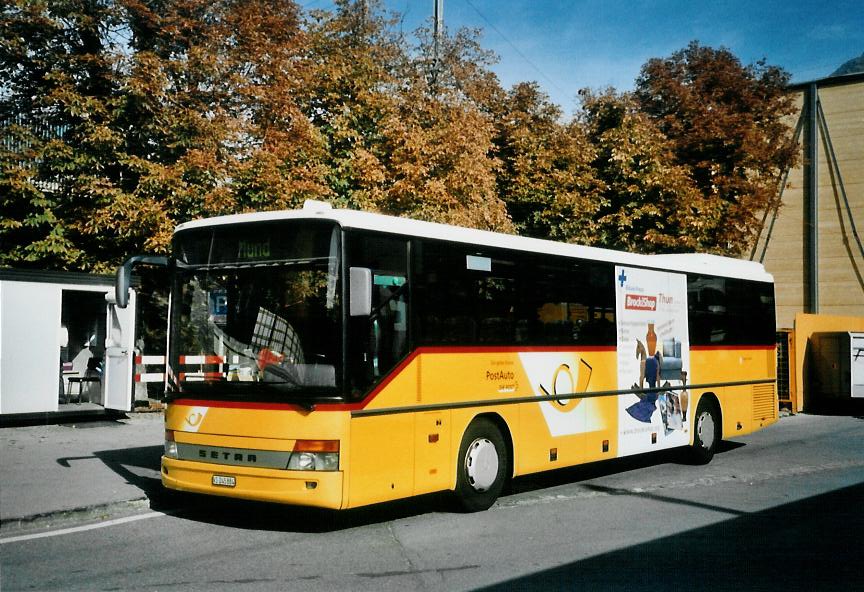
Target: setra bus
{"x": 336, "y": 358}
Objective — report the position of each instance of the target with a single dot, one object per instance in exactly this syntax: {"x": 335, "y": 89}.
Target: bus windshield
{"x": 256, "y": 312}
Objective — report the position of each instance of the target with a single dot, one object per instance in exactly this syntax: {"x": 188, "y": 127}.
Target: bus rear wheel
{"x": 706, "y": 432}
{"x": 482, "y": 466}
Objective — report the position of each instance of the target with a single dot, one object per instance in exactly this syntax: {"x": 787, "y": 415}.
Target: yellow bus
{"x": 336, "y": 358}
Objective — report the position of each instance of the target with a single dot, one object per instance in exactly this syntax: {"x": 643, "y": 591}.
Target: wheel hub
{"x": 481, "y": 464}
{"x": 706, "y": 430}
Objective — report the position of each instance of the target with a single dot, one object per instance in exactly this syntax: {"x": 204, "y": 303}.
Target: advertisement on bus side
{"x": 653, "y": 353}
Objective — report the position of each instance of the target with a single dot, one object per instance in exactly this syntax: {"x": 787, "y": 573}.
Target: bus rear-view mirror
{"x": 124, "y": 276}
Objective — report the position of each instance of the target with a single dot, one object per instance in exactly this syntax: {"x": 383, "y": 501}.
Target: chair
{"x": 86, "y": 369}
{"x": 79, "y": 380}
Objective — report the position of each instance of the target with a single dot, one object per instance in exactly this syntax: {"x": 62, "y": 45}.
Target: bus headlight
{"x": 314, "y": 455}
{"x": 170, "y": 444}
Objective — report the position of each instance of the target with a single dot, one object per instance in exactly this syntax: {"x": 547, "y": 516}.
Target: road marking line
{"x": 62, "y": 531}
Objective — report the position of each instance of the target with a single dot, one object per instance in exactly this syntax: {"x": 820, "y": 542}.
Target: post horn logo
{"x": 562, "y": 380}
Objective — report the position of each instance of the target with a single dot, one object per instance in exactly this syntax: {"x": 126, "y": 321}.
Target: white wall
{"x": 30, "y": 315}
{"x": 29, "y": 347}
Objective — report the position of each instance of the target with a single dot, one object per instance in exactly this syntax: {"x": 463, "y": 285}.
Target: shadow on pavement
{"x": 141, "y": 466}
{"x": 249, "y": 515}
{"x": 94, "y": 416}
{"x": 836, "y": 407}
{"x": 814, "y": 544}
{"x": 95, "y": 422}
{"x": 252, "y": 515}
{"x": 124, "y": 462}
{"x": 607, "y": 467}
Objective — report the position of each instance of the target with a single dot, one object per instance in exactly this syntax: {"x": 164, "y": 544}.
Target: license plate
{"x": 224, "y": 480}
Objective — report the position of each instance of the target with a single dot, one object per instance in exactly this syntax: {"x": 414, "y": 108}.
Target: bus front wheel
{"x": 706, "y": 432}
{"x": 481, "y": 465}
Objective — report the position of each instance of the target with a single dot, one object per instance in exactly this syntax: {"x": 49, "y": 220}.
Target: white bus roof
{"x": 690, "y": 262}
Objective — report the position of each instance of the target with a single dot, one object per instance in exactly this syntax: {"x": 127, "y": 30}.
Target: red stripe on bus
{"x": 236, "y": 404}
{"x": 387, "y": 380}
{"x": 355, "y": 406}
{"x": 378, "y": 388}
{"x": 732, "y": 347}
{"x": 448, "y": 350}
{"x": 515, "y": 349}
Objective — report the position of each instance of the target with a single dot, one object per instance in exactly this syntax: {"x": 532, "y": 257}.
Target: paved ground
{"x": 51, "y": 469}
{"x": 776, "y": 510}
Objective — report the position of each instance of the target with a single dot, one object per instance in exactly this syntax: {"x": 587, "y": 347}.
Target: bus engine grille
{"x": 764, "y": 402}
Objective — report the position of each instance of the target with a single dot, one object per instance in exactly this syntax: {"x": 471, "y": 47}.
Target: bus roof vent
{"x": 313, "y": 205}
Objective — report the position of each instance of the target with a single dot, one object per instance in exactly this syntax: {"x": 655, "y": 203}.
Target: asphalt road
{"x": 782, "y": 509}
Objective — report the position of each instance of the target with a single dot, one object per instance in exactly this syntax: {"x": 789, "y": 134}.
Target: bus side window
{"x": 568, "y": 302}
{"x": 378, "y": 342}
{"x": 706, "y": 304}
{"x": 519, "y": 299}
{"x": 443, "y": 295}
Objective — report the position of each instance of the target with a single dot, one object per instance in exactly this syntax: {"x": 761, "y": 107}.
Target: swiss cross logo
{"x": 640, "y": 302}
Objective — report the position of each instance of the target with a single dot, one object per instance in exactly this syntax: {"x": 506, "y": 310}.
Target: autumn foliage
{"x": 726, "y": 124}
{"x": 122, "y": 118}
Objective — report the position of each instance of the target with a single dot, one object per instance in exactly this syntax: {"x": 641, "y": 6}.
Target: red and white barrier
{"x": 141, "y": 362}
{"x": 201, "y": 375}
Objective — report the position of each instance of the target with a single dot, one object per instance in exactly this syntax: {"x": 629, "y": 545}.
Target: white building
{"x": 64, "y": 346}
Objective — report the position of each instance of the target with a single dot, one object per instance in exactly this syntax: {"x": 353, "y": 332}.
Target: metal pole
{"x": 811, "y": 198}
{"x": 439, "y": 22}
{"x": 437, "y": 31}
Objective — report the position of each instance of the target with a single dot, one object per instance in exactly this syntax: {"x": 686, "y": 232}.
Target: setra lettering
{"x": 228, "y": 455}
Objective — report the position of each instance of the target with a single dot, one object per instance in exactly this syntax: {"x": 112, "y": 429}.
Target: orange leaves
{"x": 647, "y": 196}
{"x": 222, "y": 106}
{"x": 726, "y": 125}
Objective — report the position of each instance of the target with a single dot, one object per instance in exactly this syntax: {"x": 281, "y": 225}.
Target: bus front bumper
{"x": 321, "y": 489}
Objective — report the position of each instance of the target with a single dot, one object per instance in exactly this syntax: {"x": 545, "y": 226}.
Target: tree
{"x": 546, "y": 176}
{"x": 348, "y": 93}
{"x": 59, "y": 95}
{"x": 399, "y": 140}
{"x": 727, "y": 127}
{"x": 440, "y": 164}
{"x": 194, "y": 115}
{"x": 123, "y": 118}
{"x": 211, "y": 97}
{"x": 440, "y": 138}
{"x": 648, "y": 203}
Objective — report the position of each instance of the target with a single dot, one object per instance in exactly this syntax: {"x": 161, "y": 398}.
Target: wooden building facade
{"x": 813, "y": 243}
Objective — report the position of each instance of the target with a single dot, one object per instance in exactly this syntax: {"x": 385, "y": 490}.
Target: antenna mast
{"x": 437, "y": 31}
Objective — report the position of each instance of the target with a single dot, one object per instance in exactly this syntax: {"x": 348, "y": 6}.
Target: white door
{"x": 857, "y": 365}
{"x": 119, "y": 355}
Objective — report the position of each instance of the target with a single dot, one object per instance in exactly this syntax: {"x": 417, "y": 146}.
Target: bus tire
{"x": 706, "y": 432}
{"x": 481, "y": 466}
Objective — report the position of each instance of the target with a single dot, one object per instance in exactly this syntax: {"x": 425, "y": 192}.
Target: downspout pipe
{"x": 811, "y": 199}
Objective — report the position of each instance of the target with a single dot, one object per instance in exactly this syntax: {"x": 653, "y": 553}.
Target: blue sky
{"x": 567, "y": 45}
